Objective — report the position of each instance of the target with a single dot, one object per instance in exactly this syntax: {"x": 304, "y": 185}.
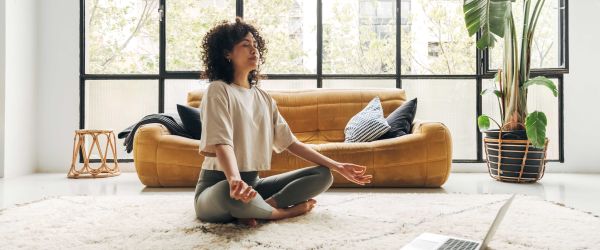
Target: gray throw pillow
{"x": 401, "y": 120}
{"x": 368, "y": 125}
{"x": 190, "y": 117}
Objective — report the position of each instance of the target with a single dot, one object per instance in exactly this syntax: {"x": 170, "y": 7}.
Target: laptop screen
{"x": 496, "y": 222}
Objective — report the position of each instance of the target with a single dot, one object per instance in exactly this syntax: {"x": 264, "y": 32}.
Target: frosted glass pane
{"x": 359, "y": 84}
{"x": 539, "y": 98}
{"x": 452, "y": 102}
{"x": 176, "y": 92}
{"x": 287, "y": 84}
{"x": 118, "y": 104}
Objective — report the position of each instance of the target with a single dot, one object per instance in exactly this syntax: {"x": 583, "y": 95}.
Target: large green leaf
{"x": 540, "y": 80}
{"x": 483, "y": 121}
{"x": 535, "y": 126}
{"x": 487, "y": 16}
{"x": 492, "y": 90}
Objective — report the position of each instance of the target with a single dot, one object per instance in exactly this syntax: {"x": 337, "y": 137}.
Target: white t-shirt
{"x": 246, "y": 119}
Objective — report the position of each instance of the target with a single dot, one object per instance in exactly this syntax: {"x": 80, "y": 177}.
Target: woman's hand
{"x": 239, "y": 190}
{"x": 354, "y": 173}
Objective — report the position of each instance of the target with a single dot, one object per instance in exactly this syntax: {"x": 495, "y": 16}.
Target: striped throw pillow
{"x": 368, "y": 125}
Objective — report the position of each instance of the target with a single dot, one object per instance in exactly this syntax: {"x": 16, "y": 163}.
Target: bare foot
{"x": 248, "y": 222}
{"x": 282, "y": 213}
{"x": 293, "y": 211}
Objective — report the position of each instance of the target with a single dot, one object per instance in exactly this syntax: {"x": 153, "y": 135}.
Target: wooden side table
{"x": 87, "y": 170}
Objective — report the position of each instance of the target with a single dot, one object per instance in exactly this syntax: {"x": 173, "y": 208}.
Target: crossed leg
{"x": 295, "y": 188}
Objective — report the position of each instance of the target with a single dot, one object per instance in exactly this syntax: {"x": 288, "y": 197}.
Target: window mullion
{"x": 319, "y": 43}
{"x": 239, "y": 8}
{"x": 398, "y": 45}
{"x": 162, "y": 55}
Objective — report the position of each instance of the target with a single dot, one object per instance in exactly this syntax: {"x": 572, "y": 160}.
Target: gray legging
{"x": 213, "y": 203}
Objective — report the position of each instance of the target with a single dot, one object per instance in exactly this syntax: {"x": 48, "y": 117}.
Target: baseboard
{"x": 551, "y": 167}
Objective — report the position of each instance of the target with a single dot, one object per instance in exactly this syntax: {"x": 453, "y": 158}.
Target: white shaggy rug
{"x": 339, "y": 221}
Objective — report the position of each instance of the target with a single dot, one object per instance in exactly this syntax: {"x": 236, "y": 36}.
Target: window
{"x": 290, "y": 28}
{"x": 539, "y": 98}
{"x": 358, "y": 37}
{"x": 358, "y": 83}
{"x": 140, "y": 57}
{"x": 547, "y": 50}
{"x": 121, "y": 37}
{"x": 288, "y": 84}
{"x": 176, "y": 92}
{"x": 186, "y": 23}
{"x": 117, "y": 104}
{"x": 404, "y": 11}
{"x": 435, "y": 41}
{"x": 451, "y": 102}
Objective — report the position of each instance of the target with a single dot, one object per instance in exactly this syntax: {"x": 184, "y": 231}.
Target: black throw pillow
{"x": 401, "y": 120}
{"x": 190, "y": 117}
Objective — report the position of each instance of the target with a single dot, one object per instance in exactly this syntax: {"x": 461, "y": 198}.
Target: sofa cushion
{"x": 190, "y": 117}
{"x": 368, "y": 125}
{"x": 322, "y": 114}
{"x": 400, "y": 120}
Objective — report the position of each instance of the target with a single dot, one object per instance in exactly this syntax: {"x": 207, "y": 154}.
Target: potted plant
{"x": 516, "y": 151}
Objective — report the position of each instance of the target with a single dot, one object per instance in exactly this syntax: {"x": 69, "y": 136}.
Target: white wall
{"x": 582, "y": 88}
{"x": 20, "y": 96}
{"x": 58, "y": 98}
{"x": 2, "y": 81}
{"x": 58, "y": 89}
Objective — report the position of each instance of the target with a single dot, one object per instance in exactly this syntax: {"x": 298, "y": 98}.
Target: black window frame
{"x": 481, "y": 61}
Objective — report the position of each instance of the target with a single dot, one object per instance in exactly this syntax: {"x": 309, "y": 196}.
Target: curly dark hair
{"x": 221, "y": 39}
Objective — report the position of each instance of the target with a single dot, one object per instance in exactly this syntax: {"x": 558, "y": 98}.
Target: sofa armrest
{"x": 145, "y": 147}
{"x": 429, "y": 128}
{"x": 439, "y": 149}
{"x": 157, "y": 153}
{"x": 427, "y": 149}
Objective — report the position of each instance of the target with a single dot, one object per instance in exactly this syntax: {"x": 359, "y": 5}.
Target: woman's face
{"x": 244, "y": 55}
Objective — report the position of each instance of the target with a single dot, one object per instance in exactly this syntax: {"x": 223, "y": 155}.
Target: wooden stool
{"x": 87, "y": 171}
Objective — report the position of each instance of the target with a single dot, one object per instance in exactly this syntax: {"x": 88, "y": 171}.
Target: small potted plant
{"x": 516, "y": 151}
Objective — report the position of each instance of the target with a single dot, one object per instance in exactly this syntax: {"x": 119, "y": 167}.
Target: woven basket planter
{"x": 512, "y": 158}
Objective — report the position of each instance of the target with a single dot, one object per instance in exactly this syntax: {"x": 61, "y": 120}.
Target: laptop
{"x": 436, "y": 241}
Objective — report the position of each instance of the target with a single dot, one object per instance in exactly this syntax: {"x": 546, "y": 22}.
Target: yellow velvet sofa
{"x": 317, "y": 117}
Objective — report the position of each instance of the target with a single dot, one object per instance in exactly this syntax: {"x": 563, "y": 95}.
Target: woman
{"x": 241, "y": 126}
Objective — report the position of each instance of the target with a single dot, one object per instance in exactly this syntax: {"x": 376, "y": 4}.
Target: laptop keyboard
{"x": 458, "y": 244}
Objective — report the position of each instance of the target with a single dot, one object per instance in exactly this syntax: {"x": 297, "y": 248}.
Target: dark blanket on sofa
{"x": 171, "y": 121}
